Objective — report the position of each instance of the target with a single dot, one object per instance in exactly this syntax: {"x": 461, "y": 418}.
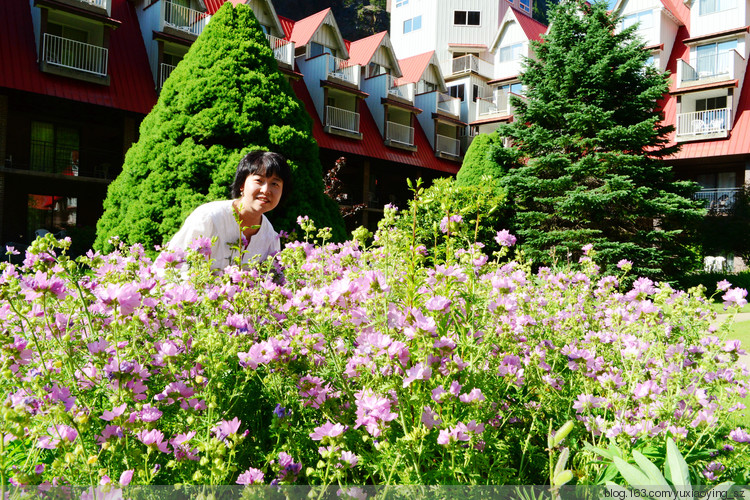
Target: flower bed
{"x": 342, "y": 364}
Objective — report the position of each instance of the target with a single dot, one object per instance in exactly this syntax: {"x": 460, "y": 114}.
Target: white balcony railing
{"x": 713, "y": 121}
{"x": 342, "y": 119}
{"x": 719, "y": 199}
{"x": 164, "y": 71}
{"x": 465, "y": 64}
{"x": 184, "y": 18}
{"x": 402, "y": 134}
{"x": 405, "y": 91}
{"x": 343, "y": 70}
{"x": 499, "y": 105}
{"x": 448, "y": 104}
{"x": 65, "y": 53}
{"x": 283, "y": 50}
{"x": 448, "y": 145}
{"x": 725, "y": 65}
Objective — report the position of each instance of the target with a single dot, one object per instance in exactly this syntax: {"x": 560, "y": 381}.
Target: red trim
{"x": 338, "y": 86}
{"x": 392, "y": 102}
{"x": 504, "y": 80}
{"x": 708, "y": 86}
{"x": 438, "y": 116}
{"x": 654, "y": 47}
{"x": 492, "y": 120}
{"x": 114, "y": 23}
{"x": 719, "y": 34}
{"x": 160, "y": 35}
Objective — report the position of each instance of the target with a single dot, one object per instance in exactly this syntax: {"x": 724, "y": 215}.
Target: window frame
{"x": 466, "y": 15}
{"x": 411, "y": 22}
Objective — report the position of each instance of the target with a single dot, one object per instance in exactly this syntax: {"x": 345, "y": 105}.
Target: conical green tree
{"x": 224, "y": 99}
{"x": 592, "y": 145}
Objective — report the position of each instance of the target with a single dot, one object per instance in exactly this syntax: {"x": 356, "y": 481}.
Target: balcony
{"x": 447, "y": 146}
{"x": 184, "y": 19}
{"x": 712, "y": 68}
{"x": 57, "y": 159}
{"x": 404, "y": 92}
{"x": 164, "y": 71}
{"x": 471, "y": 64}
{"x": 341, "y": 69}
{"x": 719, "y": 200}
{"x": 95, "y": 6}
{"x": 448, "y": 105}
{"x": 399, "y": 135}
{"x": 342, "y": 122}
{"x": 69, "y": 57}
{"x": 703, "y": 125}
{"x": 283, "y": 50}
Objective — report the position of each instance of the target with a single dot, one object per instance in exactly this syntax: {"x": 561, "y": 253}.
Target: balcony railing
{"x": 164, "y": 71}
{"x": 343, "y": 70}
{"x": 72, "y": 161}
{"x": 465, "y": 64}
{"x": 493, "y": 106}
{"x": 342, "y": 119}
{"x": 184, "y": 18}
{"x": 713, "y": 121}
{"x": 402, "y": 134}
{"x": 283, "y": 50}
{"x": 448, "y": 145}
{"x": 448, "y": 104}
{"x": 719, "y": 199}
{"x": 724, "y": 65}
{"x": 405, "y": 91}
{"x": 65, "y": 53}
{"x": 96, "y": 3}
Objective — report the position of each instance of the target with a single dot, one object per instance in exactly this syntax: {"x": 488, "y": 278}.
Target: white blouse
{"x": 216, "y": 218}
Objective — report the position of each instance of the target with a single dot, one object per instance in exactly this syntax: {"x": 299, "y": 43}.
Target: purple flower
{"x": 505, "y": 239}
{"x": 373, "y": 411}
{"x": 445, "y": 224}
{"x": 250, "y": 476}
{"x": 587, "y": 248}
{"x": 281, "y": 412}
{"x": 349, "y": 459}
{"x": 586, "y": 402}
{"x": 153, "y": 439}
{"x": 739, "y": 435}
{"x": 453, "y": 434}
{"x": 150, "y": 414}
{"x": 57, "y": 434}
{"x": 437, "y": 303}
{"x": 327, "y": 430}
{"x": 430, "y": 418}
{"x": 474, "y": 395}
{"x": 116, "y": 412}
{"x": 126, "y": 477}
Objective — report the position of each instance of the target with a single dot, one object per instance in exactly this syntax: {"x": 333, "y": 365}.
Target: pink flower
{"x": 126, "y": 295}
{"x": 723, "y": 285}
{"x": 150, "y": 414}
{"x": 430, "y": 418}
{"x": 126, "y": 477}
{"x": 153, "y": 439}
{"x": 474, "y": 395}
{"x": 57, "y": 433}
{"x": 437, "y": 303}
{"x": 349, "y": 459}
{"x": 736, "y": 297}
{"x": 417, "y": 372}
{"x": 227, "y": 428}
{"x": 739, "y": 435}
{"x": 327, "y": 430}
{"x": 116, "y": 412}
{"x": 587, "y": 402}
{"x": 250, "y": 476}
{"x": 505, "y": 239}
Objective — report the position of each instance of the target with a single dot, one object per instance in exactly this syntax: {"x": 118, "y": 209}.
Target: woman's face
{"x": 260, "y": 193}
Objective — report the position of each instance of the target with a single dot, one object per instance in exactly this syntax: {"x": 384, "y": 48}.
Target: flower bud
{"x": 563, "y": 478}
{"x": 562, "y": 433}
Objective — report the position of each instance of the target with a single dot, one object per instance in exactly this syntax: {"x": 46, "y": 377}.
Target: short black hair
{"x": 264, "y": 163}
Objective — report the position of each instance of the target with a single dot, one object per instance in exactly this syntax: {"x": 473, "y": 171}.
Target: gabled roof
{"x": 532, "y": 28}
{"x": 414, "y": 67}
{"x": 676, "y": 9}
{"x": 371, "y": 145}
{"x": 738, "y": 142}
{"x": 361, "y": 51}
{"x": 131, "y": 85}
{"x": 303, "y": 30}
{"x": 212, "y": 6}
{"x": 287, "y": 25}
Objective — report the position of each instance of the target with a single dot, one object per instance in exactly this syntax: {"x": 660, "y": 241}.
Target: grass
{"x": 741, "y": 332}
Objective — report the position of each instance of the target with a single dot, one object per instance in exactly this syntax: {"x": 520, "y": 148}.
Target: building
{"x": 80, "y": 75}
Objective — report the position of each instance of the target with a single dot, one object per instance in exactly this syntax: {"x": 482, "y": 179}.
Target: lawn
{"x": 741, "y": 331}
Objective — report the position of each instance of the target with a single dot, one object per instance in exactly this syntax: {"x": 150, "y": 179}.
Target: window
{"x": 67, "y": 32}
{"x": 715, "y": 58}
{"x": 317, "y": 49}
{"x": 650, "y": 61}
{"x": 711, "y": 6}
{"x": 466, "y": 17}
{"x": 525, "y": 5}
{"x": 54, "y": 148}
{"x": 474, "y": 92}
{"x": 412, "y": 24}
{"x": 711, "y": 103}
{"x": 510, "y": 53}
{"x": 375, "y": 69}
{"x": 50, "y": 213}
{"x": 457, "y": 91}
{"x": 400, "y": 3}
{"x": 516, "y": 88}
{"x": 642, "y": 19}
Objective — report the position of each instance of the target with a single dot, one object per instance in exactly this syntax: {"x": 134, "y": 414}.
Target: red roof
{"x": 413, "y": 67}
{"x": 288, "y": 25}
{"x": 371, "y": 145}
{"x": 212, "y": 6}
{"x": 131, "y": 85}
{"x": 361, "y": 51}
{"x": 679, "y": 10}
{"x": 738, "y": 142}
{"x": 304, "y": 29}
{"x": 531, "y": 27}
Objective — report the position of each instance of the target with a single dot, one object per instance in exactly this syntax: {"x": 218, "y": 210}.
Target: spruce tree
{"x": 591, "y": 143}
{"x": 223, "y": 100}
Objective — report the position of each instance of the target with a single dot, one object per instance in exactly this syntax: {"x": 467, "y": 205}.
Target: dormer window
{"x": 710, "y": 6}
{"x": 511, "y": 52}
{"x": 525, "y": 5}
{"x": 714, "y": 58}
{"x": 317, "y": 49}
{"x": 375, "y": 69}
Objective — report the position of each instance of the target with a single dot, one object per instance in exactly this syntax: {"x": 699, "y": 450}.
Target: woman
{"x": 262, "y": 180}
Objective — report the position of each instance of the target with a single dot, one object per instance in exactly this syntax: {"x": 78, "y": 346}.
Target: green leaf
{"x": 604, "y": 453}
{"x": 650, "y": 469}
{"x": 676, "y": 467}
{"x": 632, "y": 474}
